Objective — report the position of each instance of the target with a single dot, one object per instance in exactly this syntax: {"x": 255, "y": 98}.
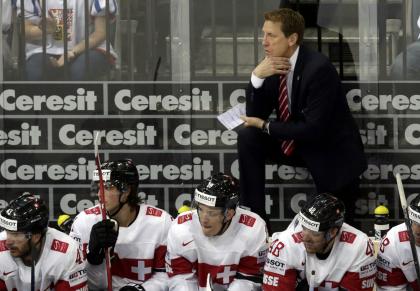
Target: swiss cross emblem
{"x": 141, "y": 270}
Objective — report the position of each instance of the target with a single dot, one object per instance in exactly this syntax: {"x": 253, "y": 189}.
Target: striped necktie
{"x": 287, "y": 146}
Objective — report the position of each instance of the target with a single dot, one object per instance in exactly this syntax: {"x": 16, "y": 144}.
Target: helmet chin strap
{"x": 225, "y": 223}
{"x": 120, "y": 206}
{"x": 329, "y": 238}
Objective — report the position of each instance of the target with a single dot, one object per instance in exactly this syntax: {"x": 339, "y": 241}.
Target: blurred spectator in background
{"x": 412, "y": 52}
{"x": 98, "y": 62}
{"x": 6, "y": 29}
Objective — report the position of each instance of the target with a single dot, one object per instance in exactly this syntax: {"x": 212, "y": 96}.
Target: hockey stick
{"x": 103, "y": 210}
{"x": 408, "y": 225}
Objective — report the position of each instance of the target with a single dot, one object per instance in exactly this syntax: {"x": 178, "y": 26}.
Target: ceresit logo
{"x": 106, "y": 175}
{"x": 308, "y": 223}
{"x": 198, "y": 101}
{"x": 83, "y": 100}
{"x": 204, "y": 198}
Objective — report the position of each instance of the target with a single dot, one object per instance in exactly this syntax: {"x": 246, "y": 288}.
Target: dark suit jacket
{"x": 326, "y": 135}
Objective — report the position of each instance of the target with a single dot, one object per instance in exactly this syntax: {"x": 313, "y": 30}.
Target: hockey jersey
{"x": 60, "y": 266}
{"x": 75, "y": 23}
{"x": 395, "y": 261}
{"x": 350, "y": 264}
{"x": 139, "y": 253}
{"x": 233, "y": 259}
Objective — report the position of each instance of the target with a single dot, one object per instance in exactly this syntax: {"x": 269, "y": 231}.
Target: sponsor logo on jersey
{"x": 262, "y": 255}
{"x": 187, "y": 243}
{"x": 204, "y": 198}
{"x": 347, "y": 237}
{"x": 403, "y": 236}
{"x": 275, "y": 266}
{"x": 8, "y": 273}
{"x": 407, "y": 263}
{"x": 154, "y": 211}
{"x": 3, "y": 246}
{"x": 367, "y": 270}
{"x": 95, "y": 210}
{"x": 77, "y": 277}
{"x": 59, "y": 246}
{"x": 247, "y": 220}
{"x": 184, "y": 218}
{"x": 308, "y": 223}
{"x": 383, "y": 263}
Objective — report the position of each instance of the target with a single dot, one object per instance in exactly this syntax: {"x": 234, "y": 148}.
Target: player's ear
{"x": 229, "y": 214}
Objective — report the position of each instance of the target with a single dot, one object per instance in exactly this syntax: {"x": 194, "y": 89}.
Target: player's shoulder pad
{"x": 59, "y": 246}
{"x": 247, "y": 220}
{"x": 347, "y": 237}
{"x": 95, "y": 210}
{"x": 3, "y": 246}
{"x": 184, "y": 217}
{"x": 297, "y": 237}
{"x": 153, "y": 211}
{"x": 403, "y": 236}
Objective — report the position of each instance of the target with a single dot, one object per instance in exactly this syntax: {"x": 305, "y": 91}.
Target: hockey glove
{"x": 132, "y": 287}
{"x": 103, "y": 235}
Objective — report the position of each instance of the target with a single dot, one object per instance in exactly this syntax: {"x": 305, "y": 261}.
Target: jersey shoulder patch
{"x": 3, "y": 246}
{"x": 95, "y": 210}
{"x": 153, "y": 211}
{"x": 247, "y": 220}
{"x": 59, "y": 246}
{"x": 184, "y": 218}
{"x": 403, "y": 236}
{"x": 297, "y": 237}
{"x": 347, "y": 237}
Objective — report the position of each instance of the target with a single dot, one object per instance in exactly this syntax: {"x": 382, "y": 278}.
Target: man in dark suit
{"x": 318, "y": 131}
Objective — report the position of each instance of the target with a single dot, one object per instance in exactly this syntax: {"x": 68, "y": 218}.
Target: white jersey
{"x": 60, "y": 267}
{"x": 75, "y": 23}
{"x": 139, "y": 253}
{"x": 234, "y": 259}
{"x": 395, "y": 261}
{"x": 350, "y": 265}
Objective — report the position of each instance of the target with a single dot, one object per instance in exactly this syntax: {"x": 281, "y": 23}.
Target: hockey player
{"x": 135, "y": 232}
{"x": 395, "y": 260}
{"x": 216, "y": 238}
{"x": 28, "y": 245}
{"x": 318, "y": 246}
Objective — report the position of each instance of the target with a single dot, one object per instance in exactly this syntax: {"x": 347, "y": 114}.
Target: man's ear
{"x": 292, "y": 39}
{"x": 229, "y": 214}
{"x": 126, "y": 193}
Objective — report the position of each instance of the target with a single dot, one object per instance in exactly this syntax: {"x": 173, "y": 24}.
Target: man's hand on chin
{"x": 272, "y": 66}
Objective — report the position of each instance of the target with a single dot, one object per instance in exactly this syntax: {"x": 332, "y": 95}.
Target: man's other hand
{"x": 252, "y": 121}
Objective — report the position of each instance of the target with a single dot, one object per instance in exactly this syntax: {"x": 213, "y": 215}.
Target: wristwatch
{"x": 266, "y": 127}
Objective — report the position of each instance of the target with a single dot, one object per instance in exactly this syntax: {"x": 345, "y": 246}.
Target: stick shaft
{"x": 408, "y": 225}
{"x": 103, "y": 212}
